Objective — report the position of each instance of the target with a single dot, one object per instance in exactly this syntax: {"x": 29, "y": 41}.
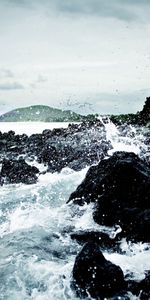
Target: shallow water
{"x": 36, "y": 252}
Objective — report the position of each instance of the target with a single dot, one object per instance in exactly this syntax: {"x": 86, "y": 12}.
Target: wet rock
{"x": 17, "y": 171}
{"x": 11, "y": 145}
{"x": 75, "y": 147}
{"x": 94, "y": 275}
{"x": 47, "y": 133}
{"x": 140, "y": 118}
{"x": 102, "y": 239}
{"x": 145, "y": 287}
{"x": 144, "y": 115}
{"x": 140, "y": 288}
{"x": 120, "y": 189}
{"x": 133, "y": 286}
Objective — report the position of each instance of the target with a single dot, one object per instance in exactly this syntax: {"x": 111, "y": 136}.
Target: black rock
{"x": 120, "y": 189}
{"x": 75, "y": 147}
{"x": 102, "y": 239}
{"x": 141, "y": 118}
{"x": 145, "y": 287}
{"x": 141, "y": 288}
{"x": 17, "y": 171}
{"x": 95, "y": 276}
{"x": 144, "y": 115}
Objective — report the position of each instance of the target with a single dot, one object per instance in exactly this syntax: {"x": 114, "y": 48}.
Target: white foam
{"x": 42, "y": 207}
{"x": 48, "y": 209}
{"x": 136, "y": 264}
{"x": 123, "y": 143}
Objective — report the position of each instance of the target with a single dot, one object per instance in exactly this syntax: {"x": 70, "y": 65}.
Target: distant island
{"x": 43, "y": 113}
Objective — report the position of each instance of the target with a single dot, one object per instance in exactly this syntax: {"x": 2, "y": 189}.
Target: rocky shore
{"x": 117, "y": 185}
{"x": 75, "y": 147}
{"x": 141, "y": 118}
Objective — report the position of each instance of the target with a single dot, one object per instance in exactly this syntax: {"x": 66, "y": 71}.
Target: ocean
{"x": 36, "y": 252}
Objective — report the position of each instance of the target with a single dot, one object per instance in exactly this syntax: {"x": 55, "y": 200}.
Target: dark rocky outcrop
{"x": 120, "y": 188}
{"x": 144, "y": 115}
{"x": 95, "y": 276}
{"x": 144, "y": 287}
{"x": 76, "y": 147}
{"x": 17, "y": 171}
{"x": 102, "y": 239}
{"x": 140, "y": 288}
{"x": 140, "y": 118}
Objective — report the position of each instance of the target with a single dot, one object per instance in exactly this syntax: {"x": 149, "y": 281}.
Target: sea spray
{"x": 37, "y": 253}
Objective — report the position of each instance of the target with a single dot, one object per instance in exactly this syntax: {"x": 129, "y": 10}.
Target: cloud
{"x": 41, "y": 79}
{"x": 6, "y": 73}
{"x": 125, "y": 10}
{"x": 18, "y": 3}
{"x": 72, "y": 48}
{"x": 7, "y": 86}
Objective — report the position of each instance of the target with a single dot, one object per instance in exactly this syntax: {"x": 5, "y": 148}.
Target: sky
{"x": 85, "y": 55}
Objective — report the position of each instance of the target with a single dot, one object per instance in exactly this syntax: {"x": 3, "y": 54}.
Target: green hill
{"x": 41, "y": 113}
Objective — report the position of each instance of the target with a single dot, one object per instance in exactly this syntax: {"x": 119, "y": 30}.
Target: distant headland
{"x": 43, "y": 113}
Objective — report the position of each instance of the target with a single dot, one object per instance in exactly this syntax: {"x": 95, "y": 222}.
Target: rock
{"x": 140, "y": 118}
{"x": 12, "y": 146}
{"x": 75, "y": 147}
{"x": 101, "y": 238}
{"x": 120, "y": 189}
{"x": 141, "y": 288}
{"x": 94, "y": 275}
{"x": 17, "y": 171}
{"x": 144, "y": 115}
{"x": 132, "y": 286}
{"x": 145, "y": 287}
{"x": 47, "y": 133}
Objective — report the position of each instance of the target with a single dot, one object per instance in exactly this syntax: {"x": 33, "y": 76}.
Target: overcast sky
{"x": 87, "y": 55}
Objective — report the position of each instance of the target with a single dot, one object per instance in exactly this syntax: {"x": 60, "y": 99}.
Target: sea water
{"x": 36, "y": 252}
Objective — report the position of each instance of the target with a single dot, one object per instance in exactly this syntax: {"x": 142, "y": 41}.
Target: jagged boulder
{"x": 120, "y": 188}
{"x": 144, "y": 115}
{"x": 94, "y": 275}
{"x": 140, "y": 118}
{"x": 104, "y": 241}
{"x": 144, "y": 287}
{"x": 17, "y": 171}
{"x": 140, "y": 288}
{"x": 75, "y": 147}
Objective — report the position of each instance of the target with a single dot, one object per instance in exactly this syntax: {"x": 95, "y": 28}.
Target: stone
{"x": 145, "y": 287}
{"x": 120, "y": 188}
{"x": 104, "y": 241}
{"x": 94, "y": 275}
{"x": 144, "y": 115}
{"x": 17, "y": 171}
